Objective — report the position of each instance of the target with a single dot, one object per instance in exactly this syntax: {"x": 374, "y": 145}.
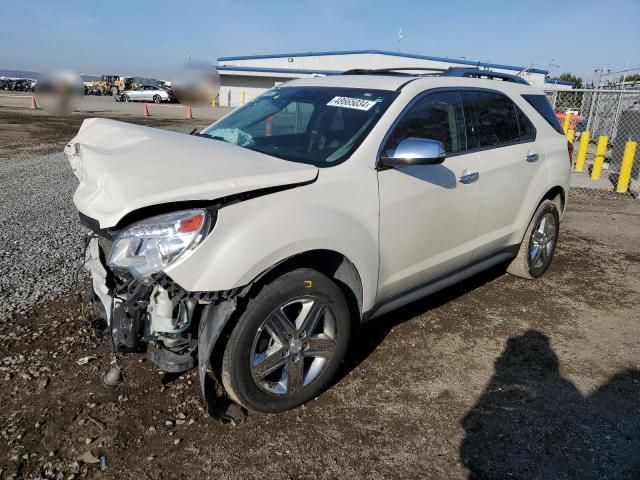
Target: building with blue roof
{"x": 247, "y": 76}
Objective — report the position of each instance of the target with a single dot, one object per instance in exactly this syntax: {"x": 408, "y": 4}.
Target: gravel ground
{"x": 496, "y": 377}
{"x": 41, "y": 237}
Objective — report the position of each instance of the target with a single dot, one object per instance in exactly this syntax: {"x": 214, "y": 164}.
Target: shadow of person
{"x": 531, "y": 423}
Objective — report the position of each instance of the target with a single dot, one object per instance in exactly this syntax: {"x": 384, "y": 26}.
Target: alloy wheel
{"x": 293, "y": 345}
{"x": 542, "y": 241}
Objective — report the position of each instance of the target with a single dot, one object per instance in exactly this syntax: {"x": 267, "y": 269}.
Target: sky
{"x": 153, "y": 38}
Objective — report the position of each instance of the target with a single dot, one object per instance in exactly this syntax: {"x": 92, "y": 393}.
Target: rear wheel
{"x": 539, "y": 243}
{"x": 288, "y": 344}
{"x": 157, "y": 99}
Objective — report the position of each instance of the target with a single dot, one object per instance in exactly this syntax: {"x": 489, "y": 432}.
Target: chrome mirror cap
{"x": 415, "y": 151}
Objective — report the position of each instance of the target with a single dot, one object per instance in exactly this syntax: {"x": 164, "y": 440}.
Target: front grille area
{"x": 176, "y": 292}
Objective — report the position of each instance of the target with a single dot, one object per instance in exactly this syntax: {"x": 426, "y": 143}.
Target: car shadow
{"x": 532, "y": 423}
{"x": 435, "y": 174}
{"x": 369, "y": 336}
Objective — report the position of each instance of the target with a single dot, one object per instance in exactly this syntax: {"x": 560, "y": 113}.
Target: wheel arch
{"x": 333, "y": 264}
{"x": 556, "y": 194}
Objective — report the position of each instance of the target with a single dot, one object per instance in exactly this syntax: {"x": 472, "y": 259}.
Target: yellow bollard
{"x": 571, "y": 135}
{"x": 601, "y": 149}
{"x": 625, "y": 168}
{"x": 242, "y": 97}
{"x": 566, "y": 122}
{"x": 582, "y": 151}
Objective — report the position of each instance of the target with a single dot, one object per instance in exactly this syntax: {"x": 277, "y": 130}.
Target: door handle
{"x": 532, "y": 157}
{"x": 469, "y": 177}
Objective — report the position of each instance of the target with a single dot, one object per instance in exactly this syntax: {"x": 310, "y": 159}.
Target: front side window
{"x": 437, "y": 116}
{"x": 321, "y": 126}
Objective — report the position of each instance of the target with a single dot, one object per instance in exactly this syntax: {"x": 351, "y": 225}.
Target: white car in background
{"x": 147, "y": 93}
{"x": 257, "y": 246}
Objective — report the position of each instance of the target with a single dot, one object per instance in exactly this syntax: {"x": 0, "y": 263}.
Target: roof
{"x": 384, "y": 52}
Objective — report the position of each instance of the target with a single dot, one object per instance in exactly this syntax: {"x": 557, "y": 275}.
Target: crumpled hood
{"x": 123, "y": 167}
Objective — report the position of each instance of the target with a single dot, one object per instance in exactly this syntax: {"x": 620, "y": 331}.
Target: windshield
{"x": 321, "y": 126}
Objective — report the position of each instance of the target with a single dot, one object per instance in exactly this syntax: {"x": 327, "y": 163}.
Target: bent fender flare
{"x": 214, "y": 318}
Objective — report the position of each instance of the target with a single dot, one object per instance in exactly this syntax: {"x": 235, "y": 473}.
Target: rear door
{"x": 509, "y": 161}
{"x": 147, "y": 93}
{"x": 137, "y": 94}
{"x": 428, "y": 213}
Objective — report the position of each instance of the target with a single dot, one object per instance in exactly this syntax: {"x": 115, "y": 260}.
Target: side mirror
{"x": 415, "y": 151}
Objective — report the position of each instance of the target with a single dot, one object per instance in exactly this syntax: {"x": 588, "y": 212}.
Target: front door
{"x": 428, "y": 213}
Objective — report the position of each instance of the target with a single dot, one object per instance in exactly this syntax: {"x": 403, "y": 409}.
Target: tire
{"x": 539, "y": 243}
{"x": 264, "y": 374}
{"x": 157, "y": 99}
{"x": 115, "y": 91}
{"x": 125, "y": 98}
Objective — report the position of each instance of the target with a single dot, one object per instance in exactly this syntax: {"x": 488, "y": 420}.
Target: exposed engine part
{"x": 167, "y": 315}
{"x": 113, "y": 376}
{"x": 127, "y": 325}
{"x": 170, "y": 361}
{"x": 171, "y": 345}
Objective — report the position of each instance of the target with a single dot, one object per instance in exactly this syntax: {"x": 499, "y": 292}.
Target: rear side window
{"x": 543, "y": 107}
{"x": 437, "y": 116}
{"x": 527, "y": 130}
{"x": 496, "y": 121}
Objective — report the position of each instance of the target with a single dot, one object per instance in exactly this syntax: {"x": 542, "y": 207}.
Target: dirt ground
{"x": 497, "y": 377}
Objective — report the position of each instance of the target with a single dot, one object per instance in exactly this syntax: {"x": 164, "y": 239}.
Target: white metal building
{"x": 246, "y": 77}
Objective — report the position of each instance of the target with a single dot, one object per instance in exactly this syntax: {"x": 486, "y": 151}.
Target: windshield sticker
{"x": 349, "y": 102}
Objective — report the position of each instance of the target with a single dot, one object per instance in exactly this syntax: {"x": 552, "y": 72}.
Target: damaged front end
{"x": 146, "y": 310}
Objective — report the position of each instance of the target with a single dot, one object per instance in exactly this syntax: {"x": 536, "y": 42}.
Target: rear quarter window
{"x": 543, "y": 107}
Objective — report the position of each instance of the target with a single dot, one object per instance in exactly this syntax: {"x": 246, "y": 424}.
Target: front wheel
{"x": 539, "y": 243}
{"x": 288, "y": 344}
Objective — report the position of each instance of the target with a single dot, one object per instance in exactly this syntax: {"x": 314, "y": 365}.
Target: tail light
{"x": 570, "y": 150}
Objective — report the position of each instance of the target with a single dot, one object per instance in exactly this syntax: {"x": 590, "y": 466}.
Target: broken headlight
{"x": 150, "y": 246}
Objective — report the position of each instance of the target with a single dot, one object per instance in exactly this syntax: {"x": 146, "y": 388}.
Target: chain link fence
{"x": 604, "y": 125}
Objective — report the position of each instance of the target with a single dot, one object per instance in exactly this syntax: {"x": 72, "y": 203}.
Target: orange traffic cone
{"x": 189, "y": 112}
{"x": 34, "y": 105}
{"x": 146, "y": 110}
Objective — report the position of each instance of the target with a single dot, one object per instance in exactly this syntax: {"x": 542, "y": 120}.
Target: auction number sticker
{"x": 350, "y": 102}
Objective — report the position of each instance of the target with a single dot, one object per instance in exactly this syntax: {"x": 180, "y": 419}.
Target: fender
{"x": 213, "y": 320}
{"x": 252, "y": 236}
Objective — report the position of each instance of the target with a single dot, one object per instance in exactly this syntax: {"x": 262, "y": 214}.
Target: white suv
{"x": 257, "y": 246}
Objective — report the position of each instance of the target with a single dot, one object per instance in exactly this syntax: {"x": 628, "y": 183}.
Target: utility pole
{"x": 400, "y": 37}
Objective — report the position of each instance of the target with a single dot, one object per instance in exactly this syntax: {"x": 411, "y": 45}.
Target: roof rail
{"x": 477, "y": 73}
{"x": 470, "y": 72}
